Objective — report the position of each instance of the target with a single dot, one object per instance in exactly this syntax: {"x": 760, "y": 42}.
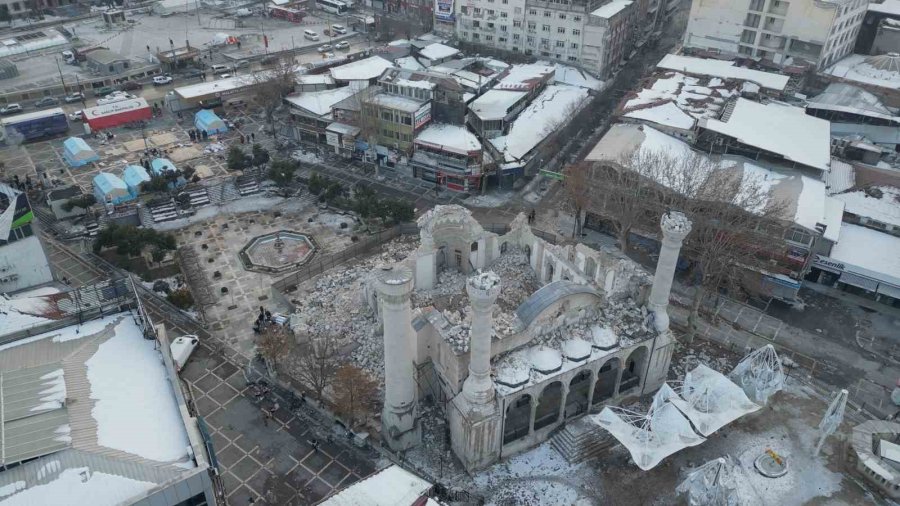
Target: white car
{"x": 11, "y": 109}
{"x": 77, "y": 116}
{"x": 342, "y": 45}
{"x": 116, "y": 96}
{"x": 74, "y": 97}
{"x": 324, "y": 48}
{"x": 160, "y": 80}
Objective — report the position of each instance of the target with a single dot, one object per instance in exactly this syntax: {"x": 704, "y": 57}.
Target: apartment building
{"x": 577, "y": 32}
{"x": 814, "y": 32}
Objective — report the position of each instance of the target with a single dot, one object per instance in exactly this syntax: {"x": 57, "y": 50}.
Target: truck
{"x": 35, "y": 125}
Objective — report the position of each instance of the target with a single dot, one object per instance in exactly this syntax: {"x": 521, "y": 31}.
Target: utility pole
{"x": 63, "y": 81}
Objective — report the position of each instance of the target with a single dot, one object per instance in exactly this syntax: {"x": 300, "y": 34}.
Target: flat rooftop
{"x": 90, "y": 412}
{"x": 723, "y": 69}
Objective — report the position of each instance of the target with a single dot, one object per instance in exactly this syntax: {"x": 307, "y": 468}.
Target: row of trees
{"x": 735, "y": 221}
{"x": 130, "y": 240}
{"x": 364, "y": 201}
{"x": 238, "y": 160}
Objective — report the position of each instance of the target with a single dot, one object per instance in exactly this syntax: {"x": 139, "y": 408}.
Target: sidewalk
{"x": 851, "y": 298}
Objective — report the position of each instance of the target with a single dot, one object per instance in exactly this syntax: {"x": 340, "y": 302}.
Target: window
{"x": 476, "y": 23}
{"x": 576, "y": 31}
{"x": 464, "y": 10}
{"x": 465, "y": 35}
{"x": 577, "y": 18}
{"x": 562, "y": 16}
{"x": 757, "y": 5}
{"x": 489, "y": 37}
{"x": 407, "y": 120}
{"x": 745, "y": 50}
{"x": 530, "y": 41}
{"x": 752, "y": 20}
{"x": 477, "y": 11}
{"x": 798, "y": 236}
{"x": 490, "y": 25}
{"x": 573, "y": 58}
{"x": 502, "y": 39}
{"x": 516, "y": 36}
{"x": 748, "y": 37}
{"x": 475, "y": 36}
{"x": 502, "y": 14}
{"x": 560, "y": 43}
{"x": 502, "y": 28}
{"x": 490, "y": 12}
{"x": 517, "y": 24}
{"x": 531, "y": 26}
{"x": 547, "y": 14}
{"x": 545, "y": 28}
{"x": 504, "y": 2}
{"x": 574, "y": 45}
{"x": 545, "y": 42}
{"x": 532, "y": 12}
{"x": 560, "y": 30}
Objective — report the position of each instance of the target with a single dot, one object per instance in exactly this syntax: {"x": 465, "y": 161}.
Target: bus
{"x": 332, "y": 6}
{"x": 35, "y": 125}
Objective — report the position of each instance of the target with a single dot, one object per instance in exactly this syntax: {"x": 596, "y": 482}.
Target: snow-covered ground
{"x": 67, "y": 333}
{"x": 134, "y": 405}
{"x": 37, "y": 292}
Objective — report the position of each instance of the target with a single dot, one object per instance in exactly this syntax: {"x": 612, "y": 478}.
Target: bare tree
{"x": 271, "y": 86}
{"x": 355, "y": 394}
{"x": 274, "y": 344}
{"x": 576, "y": 184}
{"x": 315, "y": 362}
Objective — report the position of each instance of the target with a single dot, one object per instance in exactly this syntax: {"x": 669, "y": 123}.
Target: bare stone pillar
{"x": 483, "y": 290}
{"x": 399, "y": 422}
{"x": 675, "y": 227}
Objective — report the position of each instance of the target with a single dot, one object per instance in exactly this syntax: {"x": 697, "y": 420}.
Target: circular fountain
{"x": 276, "y": 252}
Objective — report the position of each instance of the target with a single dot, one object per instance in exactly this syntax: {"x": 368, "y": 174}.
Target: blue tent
{"x": 77, "y": 153}
{"x": 159, "y": 166}
{"x": 110, "y": 189}
{"x": 134, "y": 175}
{"x": 207, "y": 121}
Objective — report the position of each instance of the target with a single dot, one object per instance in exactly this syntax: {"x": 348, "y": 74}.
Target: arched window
{"x": 518, "y": 419}
{"x": 547, "y": 412}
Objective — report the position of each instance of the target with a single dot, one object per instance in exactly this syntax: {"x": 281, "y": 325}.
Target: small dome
{"x": 576, "y": 349}
{"x": 604, "y": 338}
{"x": 514, "y": 371}
{"x": 545, "y": 360}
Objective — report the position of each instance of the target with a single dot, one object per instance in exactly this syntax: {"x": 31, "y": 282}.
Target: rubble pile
{"x": 449, "y": 282}
{"x": 518, "y": 280}
{"x": 332, "y": 304}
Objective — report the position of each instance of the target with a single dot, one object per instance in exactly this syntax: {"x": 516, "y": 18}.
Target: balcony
{"x": 778, "y": 8}
{"x": 772, "y": 42}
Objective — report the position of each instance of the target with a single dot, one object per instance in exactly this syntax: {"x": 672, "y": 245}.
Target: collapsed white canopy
{"x": 710, "y": 400}
{"x": 653, "y": 436}
{"x": 760, "y": 374}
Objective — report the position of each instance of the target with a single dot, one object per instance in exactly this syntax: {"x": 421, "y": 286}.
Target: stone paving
{"x": 216, "y": 243}
{"x": 270, "y": 461}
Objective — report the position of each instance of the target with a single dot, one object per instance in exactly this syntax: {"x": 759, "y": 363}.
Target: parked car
{"x": 11, "y": 109}
{"x": 324, "y": 48}
{"x": 342, "y": 45}
{"x": 104, "y": 91}
{"x": 74, "y": 97}
{"x": 116, "y": 96}
{"x": 77, "y": 116}
{"x": 46, "y": 102}
{"x": 161, "y": 80}
{"x": 131, "y": 85}
{"x": 192, "y": 73}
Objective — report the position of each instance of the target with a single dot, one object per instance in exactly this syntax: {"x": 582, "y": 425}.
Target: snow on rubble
{"x": 134, "y": 405}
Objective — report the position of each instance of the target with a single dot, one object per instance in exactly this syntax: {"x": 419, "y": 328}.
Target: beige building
{"x": 817, "y": 32}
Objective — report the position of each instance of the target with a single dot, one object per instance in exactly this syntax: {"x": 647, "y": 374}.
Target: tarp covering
{"x": 110, "y": 189}
{"x": 653, "y": 436}
{"x": 207, "y": 121}
{"x": 133, "y": 176}
{"x": 77, "y": 153}
{"x": 760, "y": 374}
{"x": 710, "y": 400}
{"x": 161, "y": 165}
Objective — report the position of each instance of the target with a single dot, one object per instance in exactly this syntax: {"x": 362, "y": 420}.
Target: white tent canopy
{"x": 759, "y": 374}
{"x": 711, "y": 401}
{"x": 653, "y": 436}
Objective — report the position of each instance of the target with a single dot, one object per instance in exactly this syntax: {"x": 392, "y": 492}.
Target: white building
{"x": 593, "y": 34}
{"x": 818, "y": 32}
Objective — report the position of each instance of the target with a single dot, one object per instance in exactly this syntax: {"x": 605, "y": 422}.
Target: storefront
{"x": 880, "y": 286}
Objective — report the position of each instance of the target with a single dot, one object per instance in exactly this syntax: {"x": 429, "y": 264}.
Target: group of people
{"x": 197, "y": 135}
{"x": 531, "y": 217}
{"x": 262, "y": 320}
{"x": 251, "y": 137}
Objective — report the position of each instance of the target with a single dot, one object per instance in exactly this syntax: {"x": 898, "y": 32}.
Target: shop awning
{"x": 848, "y": 278}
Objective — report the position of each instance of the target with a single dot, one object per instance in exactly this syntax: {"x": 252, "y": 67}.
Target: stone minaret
{"x": 675, "y": 227}
{"x": 399, "y": 424}
{"x": 483, "y": 290}
{"x": 476, "y": 423}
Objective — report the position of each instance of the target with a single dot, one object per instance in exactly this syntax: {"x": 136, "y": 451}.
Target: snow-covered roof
{"x": 889, "y": 7}
{"x": 361, "y": 70}
{"x": 540, "y": 119}
{"x": 667, "y": 114}
{"x": 840, "y": 178}
{"x": 325, "y": 79}
{"x": 723, "y": 69}
{"x": 804, "y": 198}
{"x": 392, "y": 486}
{"x": 856, "y": 68}
{"x": 611, "y": 9}
{"x": 342, "y": 128}
{"x": 409, "y": 63}
{"x": 574, "y": 76}
{"x": 885, "y": 209}
{"x": 132, "y": 409}
{"x": 438, "y": 51}
{"x": 451, "y": 137}
{"x": 843, "y": 97}
{"x": 25, "y": 42}
{"x": 215, "y": 86}
{"x": 319, "y": 102}
{"x": 869, "y": 249}
{"x": 526, "y": 76}
{"x": 781, "y": 129}
{"x": 495, "y": 104}
{"x": 397, "y": 102}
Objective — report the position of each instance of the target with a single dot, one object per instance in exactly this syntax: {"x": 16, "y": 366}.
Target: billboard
{"x": 422, "y": 116}
{"x": 17, "y": 211}
{"x": 443, "y": 10}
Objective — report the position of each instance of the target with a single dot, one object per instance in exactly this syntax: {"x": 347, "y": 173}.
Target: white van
{"x": 220, "y": 69}
{"x": 339, "y": 29}
{"x": 310, "y": 35}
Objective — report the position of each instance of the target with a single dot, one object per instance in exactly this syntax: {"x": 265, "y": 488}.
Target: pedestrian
{"x": 242, "y": 138}
{"x": 266, "y": 416}
{"x": 65, "y": 280}
{"x": 205, "y": 135}
{"x": 253, "y": 136}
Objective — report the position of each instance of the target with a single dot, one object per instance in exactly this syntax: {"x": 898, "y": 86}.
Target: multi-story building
{"x": 23, "y": 263}
{"x": 578, "y": 32}
{"x": 817, "y": 32}
{"x": 447, "y": 95}
{"x": 392, "y": 120}
{"x": 448, "y": 155}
